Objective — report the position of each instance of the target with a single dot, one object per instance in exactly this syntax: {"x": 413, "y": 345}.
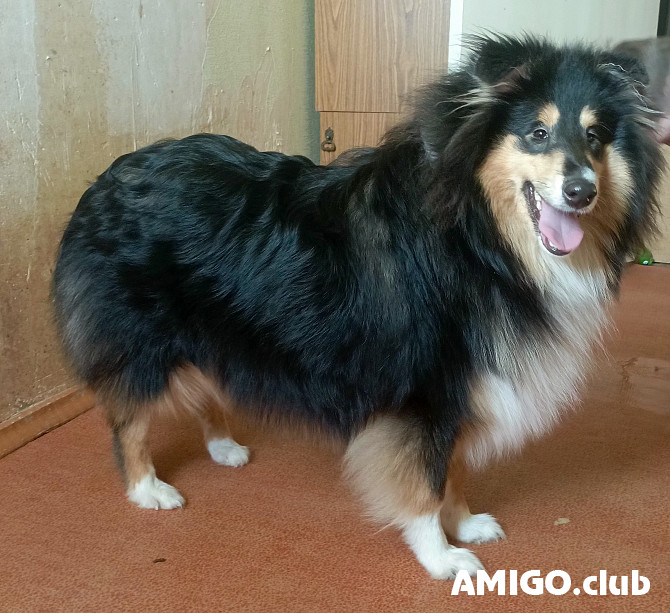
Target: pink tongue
{"x": 562, "y": 229}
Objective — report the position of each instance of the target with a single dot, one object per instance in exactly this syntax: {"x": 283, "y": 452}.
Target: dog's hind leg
{"x": 222, "y": 448}
{"x": 456, "y": 518}
{"x": 391, "y": 464}
{"x": 199, "y": 394}
{"x": 188, "y": 390}
{"x": 131, "y": 445}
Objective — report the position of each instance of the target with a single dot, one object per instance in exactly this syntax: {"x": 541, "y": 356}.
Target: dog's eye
{"x": 540, "y": 134}
{"x": 592, "y": 136}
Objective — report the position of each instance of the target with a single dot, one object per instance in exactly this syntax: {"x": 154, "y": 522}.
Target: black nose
{"x": 579, "y": 192}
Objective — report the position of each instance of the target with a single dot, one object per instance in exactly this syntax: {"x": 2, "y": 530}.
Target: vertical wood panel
{"x": 355, "y": 130}
{"x": 370, "y": 55}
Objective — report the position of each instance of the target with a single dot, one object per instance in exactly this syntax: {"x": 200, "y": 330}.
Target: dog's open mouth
{"x": 559, "y": 231}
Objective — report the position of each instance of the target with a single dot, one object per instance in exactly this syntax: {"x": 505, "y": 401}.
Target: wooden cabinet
{"x": 354, "y": 130}
{"x": 369, "y": 56}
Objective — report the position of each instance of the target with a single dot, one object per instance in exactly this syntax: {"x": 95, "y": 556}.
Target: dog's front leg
{"x": 456, "y": 518}
{"x": 386, "y": 463}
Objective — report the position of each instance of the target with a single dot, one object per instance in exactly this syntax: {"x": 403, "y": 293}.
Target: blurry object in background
{"x": 654, "y": 53}
{"x": 645, "y": 257}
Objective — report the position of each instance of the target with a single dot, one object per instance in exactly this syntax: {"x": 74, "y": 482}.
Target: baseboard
{"x": 42, "y": 418}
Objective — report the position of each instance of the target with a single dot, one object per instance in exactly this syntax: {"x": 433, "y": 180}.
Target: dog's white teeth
{"x": 538, "y": 201}
{"x": 552, "y": 245}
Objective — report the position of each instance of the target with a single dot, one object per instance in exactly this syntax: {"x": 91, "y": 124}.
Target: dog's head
{"x": 560, "y": 140}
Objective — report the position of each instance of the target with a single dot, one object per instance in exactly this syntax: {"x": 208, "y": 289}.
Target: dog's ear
{"x": 500, "y": 61}
{"x": 625, "y": 66}
{"x": 512, "y": 79}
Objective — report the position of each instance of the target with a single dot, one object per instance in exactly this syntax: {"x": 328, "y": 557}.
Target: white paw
{"x": 227, "y": 452}
{"x": 452, "y": 560}
{"x": 152, "y": 493}
{"x": 425, "y": 537}
{"x": 480, "y": 528}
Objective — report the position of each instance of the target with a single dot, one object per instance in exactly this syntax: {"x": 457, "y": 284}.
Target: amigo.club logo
{"x": 556, "y": 582}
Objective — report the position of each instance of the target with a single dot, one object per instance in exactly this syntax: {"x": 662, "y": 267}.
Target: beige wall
{"x": 87, "y": 80}
{"x": 603, "y": 22}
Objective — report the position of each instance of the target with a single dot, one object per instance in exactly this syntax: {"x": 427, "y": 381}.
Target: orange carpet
{"x": 285, "y": 534}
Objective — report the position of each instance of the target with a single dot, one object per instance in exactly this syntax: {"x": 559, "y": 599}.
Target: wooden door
{"x": 370, "y": 55}
{"x": 354, "y": 130}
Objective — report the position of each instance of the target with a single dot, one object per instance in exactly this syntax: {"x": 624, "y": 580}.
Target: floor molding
{"x": 43, "y": 417}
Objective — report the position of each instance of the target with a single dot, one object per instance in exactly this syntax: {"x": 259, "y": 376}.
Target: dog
{"x": 434, "y": 302}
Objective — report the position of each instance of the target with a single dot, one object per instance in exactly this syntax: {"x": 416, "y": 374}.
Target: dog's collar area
{"x": 560, "y": 232}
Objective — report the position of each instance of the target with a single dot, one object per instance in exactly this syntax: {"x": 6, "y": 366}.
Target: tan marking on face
{"x": 587, "y": 117}
{"x": 549, "y": 115}
{"x": 615, "y": 189}
{"x": 502, "y": 177}
{"x": 619, "y": 177}
{"x": 602, "y": 225}
{"x": 384, "y": 465}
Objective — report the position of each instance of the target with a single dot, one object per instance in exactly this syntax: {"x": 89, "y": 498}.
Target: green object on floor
{"x": 644, "y": 257}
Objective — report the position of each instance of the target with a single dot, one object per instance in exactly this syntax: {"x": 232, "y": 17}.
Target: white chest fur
{"x": 537, "y": 380}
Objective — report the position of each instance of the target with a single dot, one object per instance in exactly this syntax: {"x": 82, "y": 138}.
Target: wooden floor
{"x": 284, "y": 533}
